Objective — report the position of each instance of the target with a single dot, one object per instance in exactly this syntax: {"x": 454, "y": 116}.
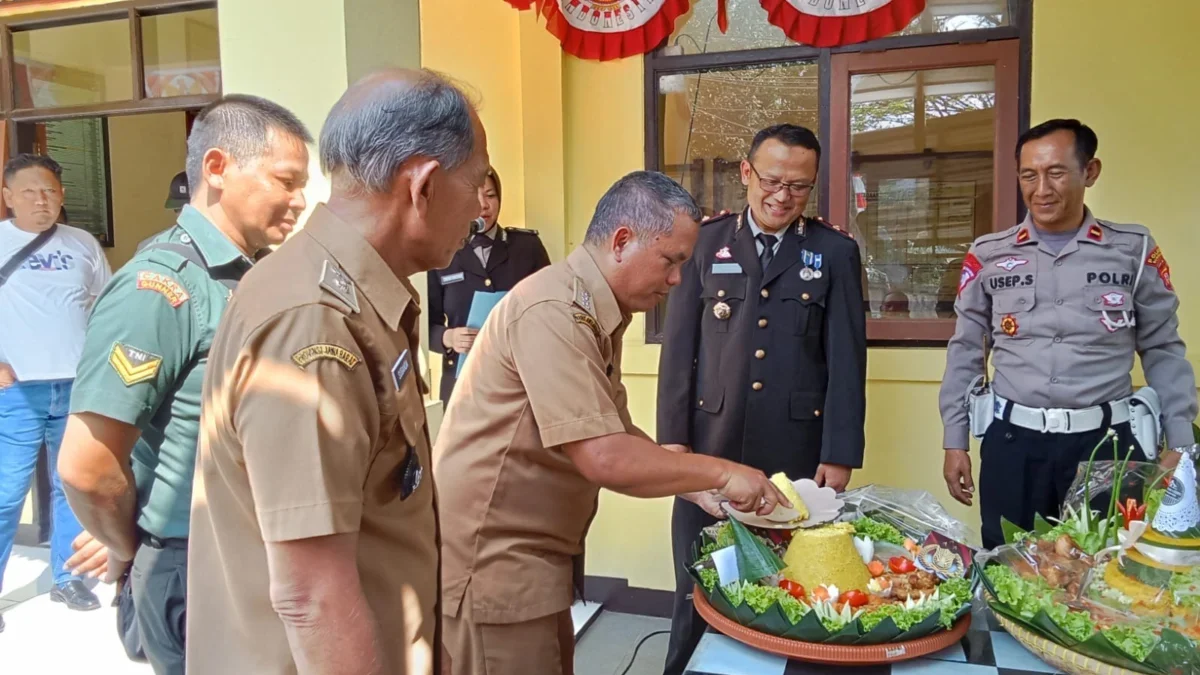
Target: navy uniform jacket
{"x": 516, "y": 253}
{"x": 780, "y": 384}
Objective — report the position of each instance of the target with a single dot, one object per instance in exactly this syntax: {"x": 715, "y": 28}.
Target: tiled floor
{"x": 43, "y": 638}
{"x": 608, "y": 644}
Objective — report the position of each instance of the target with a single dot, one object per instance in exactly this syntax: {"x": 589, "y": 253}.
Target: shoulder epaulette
{"x": 828, "y": 225}
{"x": 996, "y": 236}
{"x": 1128, "y": 228}
{"x": 339, "y": 285}
{"x": 522, "y": 230}
{"x": 724, "y": 217}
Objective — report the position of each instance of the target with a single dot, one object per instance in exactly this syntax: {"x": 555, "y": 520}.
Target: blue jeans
{"x": 33, "y": 414}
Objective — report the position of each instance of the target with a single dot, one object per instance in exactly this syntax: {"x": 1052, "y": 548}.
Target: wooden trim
{"x": 29, "y": 15}
{"x": 137, "y": 55}
{"x": 148, "y": 105}
{"x": 904, "y": 330}
{"x": 7, "y": 68}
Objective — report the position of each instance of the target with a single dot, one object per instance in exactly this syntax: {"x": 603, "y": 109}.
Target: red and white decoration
{"x": 602, "y": 30}
{"x": 832, "y": 23}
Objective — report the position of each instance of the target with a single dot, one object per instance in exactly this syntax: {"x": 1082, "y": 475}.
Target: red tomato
{"x": 901, "y": 565}
{"x": 793, "y": 589}
{"x": 855, "y": 598}
{"x": 820, "y": 593}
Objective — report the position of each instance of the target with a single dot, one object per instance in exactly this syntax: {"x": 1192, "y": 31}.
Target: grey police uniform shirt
{"x": 1064, "y": 328}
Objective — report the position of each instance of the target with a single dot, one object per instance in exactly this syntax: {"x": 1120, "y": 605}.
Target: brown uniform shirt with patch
{"x": 313, "y": 425}
{"x": 544, "y": 371}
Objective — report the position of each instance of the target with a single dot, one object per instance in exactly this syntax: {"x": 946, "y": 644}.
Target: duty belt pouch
{"x": 1145, "y": 420}
{"x": 981, "y": 406}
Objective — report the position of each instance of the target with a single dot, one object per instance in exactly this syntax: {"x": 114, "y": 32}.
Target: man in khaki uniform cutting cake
{"x": 539, "y": 423}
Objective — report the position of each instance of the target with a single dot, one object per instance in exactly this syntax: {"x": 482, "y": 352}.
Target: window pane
{"x": 696, "y": 32}
{"x": 922, "y": 161}
{"x": 709, "y": 119}
{"x": 73, "y": 65}
{"x": 181, "y": 54}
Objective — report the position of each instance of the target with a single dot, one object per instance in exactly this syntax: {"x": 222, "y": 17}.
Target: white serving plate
{"x": 823, "y": 506}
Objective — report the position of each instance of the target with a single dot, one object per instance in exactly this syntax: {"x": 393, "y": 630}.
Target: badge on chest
{"x": 400, "y": 369}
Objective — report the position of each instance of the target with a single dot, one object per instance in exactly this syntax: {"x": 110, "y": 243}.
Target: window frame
{"x": 1019, "y": 31}
{"x": 33, "y": 15}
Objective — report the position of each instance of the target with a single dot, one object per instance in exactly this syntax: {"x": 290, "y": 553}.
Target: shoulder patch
{"x": 522, "y": 230}
{"x": 338, "y": 283}
{"x": 133, "y": 365}
{"x": 719, "y": 218}
{"x": 164, "y": 285}
{"x": 321, "y": 351}
{"x": 1156, "y": 260}
{"x": 589, "y": 321}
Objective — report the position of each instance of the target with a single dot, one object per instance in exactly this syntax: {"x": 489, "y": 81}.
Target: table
{"x": 986, "y": 650}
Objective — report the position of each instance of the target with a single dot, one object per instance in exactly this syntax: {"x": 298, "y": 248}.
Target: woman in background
{"x": 493, "y": 260}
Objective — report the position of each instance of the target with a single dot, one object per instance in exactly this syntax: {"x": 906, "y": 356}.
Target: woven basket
{"x": 1072, "y": 663}
{"x": 846, "y": 655}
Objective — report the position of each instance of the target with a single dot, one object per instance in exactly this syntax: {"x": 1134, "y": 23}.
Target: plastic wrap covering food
{"x": 914, "y": 512}
{"x": 1114, "y": 578}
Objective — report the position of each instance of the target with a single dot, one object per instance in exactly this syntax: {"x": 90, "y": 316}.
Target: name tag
{"x": 726, "y": 268}
{"x": 400, "y": 369}
{"x": 452, "y": 278}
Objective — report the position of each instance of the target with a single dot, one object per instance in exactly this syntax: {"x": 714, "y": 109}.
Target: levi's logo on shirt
{"x": 49, "y": 261}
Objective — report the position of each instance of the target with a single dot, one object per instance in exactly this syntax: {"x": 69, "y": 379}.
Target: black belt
{"x": 160, "y": 543}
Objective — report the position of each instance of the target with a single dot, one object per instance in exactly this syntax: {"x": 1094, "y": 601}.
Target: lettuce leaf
{"x": 1136, "y": 641}
{"x": 709, "y": 579}
{"x": 876, "y": 531}
{"x": 793, "y": 609}
{"x": 760, "y": 598}
{"x": 1078, "y": 625}
{"x": 876, "y": 616}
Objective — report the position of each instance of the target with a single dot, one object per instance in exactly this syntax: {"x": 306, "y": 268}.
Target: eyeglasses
{"x": 771, "y": 186}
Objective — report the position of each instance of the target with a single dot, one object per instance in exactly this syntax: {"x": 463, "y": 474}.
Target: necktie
{"x": 768, "y": 242}
{"x": 481, "y": 241}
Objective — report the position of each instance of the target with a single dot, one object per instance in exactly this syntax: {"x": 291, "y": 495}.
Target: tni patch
{"x": 1009, "y": 325}
{"x": 133, "y": 365}
{"x": 163, "y": 285}
{"x": 317, "y": 352}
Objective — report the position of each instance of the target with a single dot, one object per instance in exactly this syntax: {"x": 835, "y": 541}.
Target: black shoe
{"x": 75, "y": 595}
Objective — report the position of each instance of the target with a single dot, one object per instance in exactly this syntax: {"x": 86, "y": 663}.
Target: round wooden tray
{"x": 888, "y": 652}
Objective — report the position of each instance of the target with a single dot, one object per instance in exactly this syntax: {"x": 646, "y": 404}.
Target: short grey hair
{"x": 644, "y": 201}
{"x": 370, "y": 134}
{"x": 239, "y": 124}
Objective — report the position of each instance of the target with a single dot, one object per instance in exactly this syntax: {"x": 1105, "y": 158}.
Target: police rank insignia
{"x": 133, "y": 365}
{"x": 1023, "y": 235}
{"x": 400, "y": 369}
{"x": 317, "y": 352}
{"x": 337, "y": 282}
{"x": 724, "y": 254}
{"x": 411, "y": 473}
{"x": 1009, "y": 325}
{"x": 722, "y": 311}
{"x": 163, "y": 285}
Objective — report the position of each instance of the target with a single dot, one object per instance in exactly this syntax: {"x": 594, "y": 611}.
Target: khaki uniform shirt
{"x": 545, "y": 370}
{"x": 1064, "y": 328}
{"x": 313, "y": 425}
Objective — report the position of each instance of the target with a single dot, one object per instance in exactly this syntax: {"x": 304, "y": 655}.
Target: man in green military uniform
{"x": 129, "y": 451}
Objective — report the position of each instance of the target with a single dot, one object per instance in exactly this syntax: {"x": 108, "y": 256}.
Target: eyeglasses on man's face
{"x": 771, "y": 186}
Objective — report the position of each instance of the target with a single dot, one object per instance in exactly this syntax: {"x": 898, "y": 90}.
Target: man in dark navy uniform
{"x": 493, "y": 260}
{"x": 764, "y": 354}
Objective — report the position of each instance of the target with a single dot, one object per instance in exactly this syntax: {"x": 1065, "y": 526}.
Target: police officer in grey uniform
{"x": 1065, "y": 301}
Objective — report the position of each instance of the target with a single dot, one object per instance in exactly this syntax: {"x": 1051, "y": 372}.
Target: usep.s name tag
{"x": 726, "y": 268}
{"x": 448, "y": 279}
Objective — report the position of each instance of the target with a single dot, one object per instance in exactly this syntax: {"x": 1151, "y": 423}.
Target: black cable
{"x": 641, "y": 642}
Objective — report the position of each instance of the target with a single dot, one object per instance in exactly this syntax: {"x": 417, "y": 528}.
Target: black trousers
{"x": 1024, "y": 472}
{"x": 159, "y": 584}
{"x": 687, "y": 627}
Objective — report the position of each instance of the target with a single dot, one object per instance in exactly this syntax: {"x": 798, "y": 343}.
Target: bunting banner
{"x": 833, "y": 23}
{"x": 603, "y": 30}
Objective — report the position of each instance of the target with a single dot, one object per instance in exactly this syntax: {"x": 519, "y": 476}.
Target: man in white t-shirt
{"x": 44, "y": 307}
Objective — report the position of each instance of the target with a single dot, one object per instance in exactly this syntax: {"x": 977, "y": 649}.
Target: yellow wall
{"x": 1131, "y": 102}
{"x": 141, "y": 173}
